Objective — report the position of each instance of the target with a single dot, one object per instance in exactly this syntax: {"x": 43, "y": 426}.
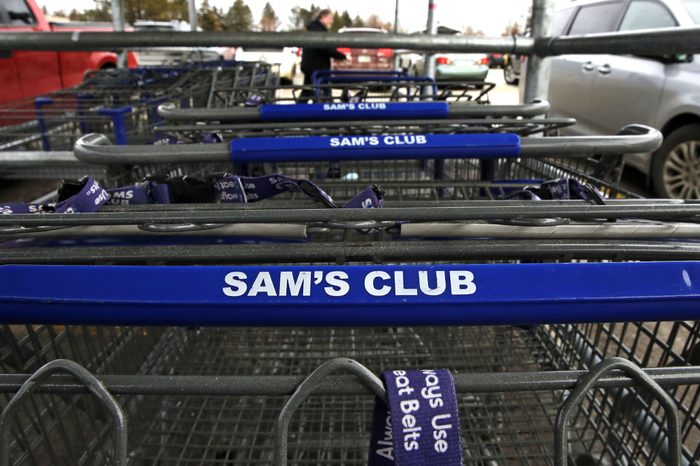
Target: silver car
{"x": 170, "y": 56}
{"x": 606, "y": 92}
{"x": 449, "y": 66}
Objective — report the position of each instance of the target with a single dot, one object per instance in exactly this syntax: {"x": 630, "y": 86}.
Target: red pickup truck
{"x": 31, "y": 73}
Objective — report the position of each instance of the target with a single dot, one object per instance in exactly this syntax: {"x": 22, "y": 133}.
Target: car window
{"x": 561, "y": 19}
{"x": 600, "y": 17}
{"x": 647, "y": 14}
{"x": 693, "y": 7}
{"x": 17, "y": 13}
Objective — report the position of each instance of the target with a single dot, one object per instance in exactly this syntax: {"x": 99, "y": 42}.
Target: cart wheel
{"x": 509, "y": 74}
{"x": 675, "y": 169}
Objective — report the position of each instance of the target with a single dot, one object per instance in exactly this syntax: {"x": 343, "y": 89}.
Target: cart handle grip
{"x": 374, "y": 147}
{"x": 352, "y": 111}
{"x": 349, "y": 295}
{"x": 96, "y": 148}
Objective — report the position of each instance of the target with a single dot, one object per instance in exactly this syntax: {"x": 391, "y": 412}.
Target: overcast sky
{"x": 491, "y": 16}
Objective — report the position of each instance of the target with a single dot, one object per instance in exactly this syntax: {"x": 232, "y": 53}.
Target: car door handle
{"x": 5, "y": 53}
{"x": 605, "y": 69}
{"x": 588, "y": 66}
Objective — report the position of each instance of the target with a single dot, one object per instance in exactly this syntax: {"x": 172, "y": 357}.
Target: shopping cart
{"x": 363, "y": 89}
{"x": 121, "y": 103}
{"x": 528, "y": 339}
{"x": 425, "y": 88}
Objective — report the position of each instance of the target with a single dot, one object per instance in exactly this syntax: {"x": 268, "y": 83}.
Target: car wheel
{"x": 509, "y": 74}
{"x": 675, "y": 169}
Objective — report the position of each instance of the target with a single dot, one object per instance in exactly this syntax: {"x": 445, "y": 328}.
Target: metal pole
{"x": 118, "y": 24}
{"x": 538, "y": 67}
{"x": 137, "y": 39}
{"x": 285, "y": 385}
{"x": 429, "y": 69}
{"x": 396, "y": 17}
{"x": 396, "y": 31}
{"x": 664, "y": 41}
{"x": 193, "y": 15}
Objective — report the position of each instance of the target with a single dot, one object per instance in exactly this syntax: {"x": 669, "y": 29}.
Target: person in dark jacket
{"x": 313, "y": 59}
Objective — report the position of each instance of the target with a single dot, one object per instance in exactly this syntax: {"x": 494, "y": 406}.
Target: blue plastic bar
{"x": 39, "y": 104}
{"x": 152, "y": 106}
{"x": 118, "y": 123}
{"x": 322, "y": 74}
{"x": 354, "y": 111}
{"x": 83, "y": 100}
{"x": 486, "y": 294}
{"x": 375, "y": 147}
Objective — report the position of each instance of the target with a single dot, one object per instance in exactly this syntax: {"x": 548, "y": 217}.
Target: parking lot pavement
{"x": 502, "y": 94}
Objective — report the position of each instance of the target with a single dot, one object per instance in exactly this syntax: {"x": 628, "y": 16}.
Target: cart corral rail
{"x": 661, "y": 41}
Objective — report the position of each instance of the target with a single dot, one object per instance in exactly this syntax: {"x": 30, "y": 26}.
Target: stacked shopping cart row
{"x": 119, "y": 102}
{"x": 343, "y": 238}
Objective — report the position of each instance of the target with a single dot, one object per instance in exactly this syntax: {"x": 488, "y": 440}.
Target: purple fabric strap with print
{"x": 242, "y": 189}
{"x": 421, "y": 425}
{"x": 560, "y": 189}
{"x": 85, "y": 195}
{"x": 146, "y": 192}
{"x": 369, "y": 198}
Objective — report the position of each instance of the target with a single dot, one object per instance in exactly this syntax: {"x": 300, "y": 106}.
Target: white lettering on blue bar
{"x": 353, "y": 110}
{"x": 391, "y": 140}
{"x": 354, "y": 106}
{"x": 335, "y": 283}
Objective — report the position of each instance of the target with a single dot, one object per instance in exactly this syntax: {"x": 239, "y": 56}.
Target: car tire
{"x": 675, "y": 166}
{"x": 509, "y": 75}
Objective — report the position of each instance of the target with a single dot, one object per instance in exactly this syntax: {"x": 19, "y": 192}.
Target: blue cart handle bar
{"x": 354, "y": 111}
{"x": 458, "y": 294}
{"x": 256, "y": 111}
{"x": 96, "y": 148}
{"x": 374, "y": 147}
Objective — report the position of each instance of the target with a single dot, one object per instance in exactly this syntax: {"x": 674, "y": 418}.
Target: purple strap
{"x": 243, "y": 189}
{"x": 571, "y": 188}
{"x": 146, "y": 192}
{"x": 255, "y": 100}
{"x": 560, "y": 189}
{"x": 88, "y": 196}
{"x": 164, "y": 140}
{"x": 22, "y": 208}
{"x": 206, "y": 138}
{"x": 134, "y": 194}
{"x": 84, "y": 196}
{"x": 421, "y": 425}
{"x": 370, "y": 198}
{"x": 89, "y": 199}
